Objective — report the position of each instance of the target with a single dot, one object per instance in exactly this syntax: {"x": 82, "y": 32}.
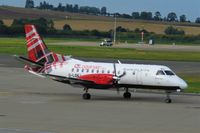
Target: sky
{"x": 191, "y": 8}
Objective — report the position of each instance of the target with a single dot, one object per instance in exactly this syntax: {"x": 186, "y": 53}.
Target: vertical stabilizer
{"x": 37, "y": 50}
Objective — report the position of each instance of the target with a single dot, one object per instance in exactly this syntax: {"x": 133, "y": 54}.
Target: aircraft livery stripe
{"x": 59, "y": 57}
{"x": 35, "y": 45}
{"x": 30, "y": 33}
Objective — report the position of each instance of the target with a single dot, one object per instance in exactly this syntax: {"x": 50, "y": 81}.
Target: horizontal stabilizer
{"x": 28, "y": 62}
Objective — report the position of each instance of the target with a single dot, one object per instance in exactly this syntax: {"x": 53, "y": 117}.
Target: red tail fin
{"x": 37, "y": 50}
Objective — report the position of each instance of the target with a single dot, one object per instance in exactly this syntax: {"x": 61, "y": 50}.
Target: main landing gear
{"x": 168, "y": 99}
{"x": 127, "y": 94}
{"x": 86, "y": 95}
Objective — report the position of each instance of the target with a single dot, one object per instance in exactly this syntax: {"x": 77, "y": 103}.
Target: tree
{"x": 61, "y": 7}
{"x": 76, "y": 8}
{"x": 121, "y": 29}
{"x": 103, "y": 11}
{"x": 157, "y": 16}
{"x": 146, "y": 15}
{"x": 197, "y": 20}
{"x": 3, "y": 28}
{"x": 67, "y": 27}
{"x": 89, "y": 10}
{"x": 172, "y": 17}
{"x": 136, "y": 15}
{"x": 18, "y": 22}
{"x": 173, "y": 31}
{"x": 29, "y": 4}
{"x": 1, "y": 22}
{"x": 125, "y": 16}
{"x": 183, "y": 18}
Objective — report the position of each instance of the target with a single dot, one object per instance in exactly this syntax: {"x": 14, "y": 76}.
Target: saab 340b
{"x": 97, "y": 75}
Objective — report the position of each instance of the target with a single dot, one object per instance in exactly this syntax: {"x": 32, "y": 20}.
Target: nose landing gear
{"x": 168, "y": 99}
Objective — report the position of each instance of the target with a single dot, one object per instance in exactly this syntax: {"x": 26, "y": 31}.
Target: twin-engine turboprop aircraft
{"x": 93, "y": 75}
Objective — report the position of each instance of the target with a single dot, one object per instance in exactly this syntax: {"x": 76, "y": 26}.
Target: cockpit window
{"x": 169, "y": 72}
{"x": 160, "y": 72}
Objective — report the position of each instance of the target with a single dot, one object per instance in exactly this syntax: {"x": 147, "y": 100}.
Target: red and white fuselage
{"x": 135, "y": 75}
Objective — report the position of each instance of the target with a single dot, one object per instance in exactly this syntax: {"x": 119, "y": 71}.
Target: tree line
{"x": 46, "y": 27}
{"x": 17, "y": 26}
{"x": 171, "y": 17}
{"x": 68, "y": 8}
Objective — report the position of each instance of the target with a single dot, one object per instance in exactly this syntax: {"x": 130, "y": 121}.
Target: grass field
{"x": 18, "y": 46}
{"x": 131, "y": 25}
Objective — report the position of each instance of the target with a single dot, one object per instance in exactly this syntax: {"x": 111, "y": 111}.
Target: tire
{"x": 127, "y": 95}
{"x": 168, "y": 100}
{"x": 86, "y": 96}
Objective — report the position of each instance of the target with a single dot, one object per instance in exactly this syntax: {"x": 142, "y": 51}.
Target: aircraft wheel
{"x": 86, "y": 96}
{"x": 168, "y": 100}
{"x": 127, "y": 95}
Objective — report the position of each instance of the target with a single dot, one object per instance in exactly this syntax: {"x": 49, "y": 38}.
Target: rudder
{"x": 37, "y": 50}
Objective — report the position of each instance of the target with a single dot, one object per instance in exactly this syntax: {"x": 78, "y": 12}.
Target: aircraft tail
{"x": 37, "y": 50}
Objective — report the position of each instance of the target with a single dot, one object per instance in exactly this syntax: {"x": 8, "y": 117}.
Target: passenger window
{"x": 102, "y": 71}
{"x": 118, "y": 72}
{"x": 72, "y": 69}
{"x": 160, "y": 72}
{"x": 92, "y": 71}
{"x": 82, "y": 70}
{"x": 77, "y": 70}
{"x": 97, "y": 71}
{"x": 170, "y": 73}
{"x": 124, "y": 72}
{"x": 108, "y": 71}
{"x": 87, "y": 70}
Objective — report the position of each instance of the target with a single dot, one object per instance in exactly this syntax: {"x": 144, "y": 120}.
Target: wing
{"x": 68, "y": 80}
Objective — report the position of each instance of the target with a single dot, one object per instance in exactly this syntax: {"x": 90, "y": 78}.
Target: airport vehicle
{"x": 96, "y": 75}
{"x": 106, "y": 42}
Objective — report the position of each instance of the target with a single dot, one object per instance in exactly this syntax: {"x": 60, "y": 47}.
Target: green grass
{"x": 124, "y": 53}
{"x": 18, "y": 46}
{"x": 193, "y": 83}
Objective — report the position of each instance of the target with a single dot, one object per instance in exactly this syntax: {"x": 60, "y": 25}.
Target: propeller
{"x": 117, "y": 78}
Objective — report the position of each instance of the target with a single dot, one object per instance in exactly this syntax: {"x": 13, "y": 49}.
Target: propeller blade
{"x": 117, "y": 78}
{"x": 124, "y": 73}
{"x": 115, "y": 73}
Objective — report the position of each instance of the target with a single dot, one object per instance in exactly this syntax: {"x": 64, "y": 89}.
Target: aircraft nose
{"x": 182, "y": 84}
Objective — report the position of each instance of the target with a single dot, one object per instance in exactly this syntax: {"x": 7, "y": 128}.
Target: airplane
{"x": 96, "y": 75}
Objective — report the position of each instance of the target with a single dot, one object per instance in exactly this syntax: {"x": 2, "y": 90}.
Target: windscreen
{"x": 160, "y": 72}
{"x": 169, "y": 73}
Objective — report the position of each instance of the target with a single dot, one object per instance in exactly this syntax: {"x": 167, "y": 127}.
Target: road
{"x": 29, "y": 104}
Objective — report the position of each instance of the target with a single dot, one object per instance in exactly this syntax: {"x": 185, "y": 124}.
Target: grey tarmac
{"x": 35, "y": 105}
